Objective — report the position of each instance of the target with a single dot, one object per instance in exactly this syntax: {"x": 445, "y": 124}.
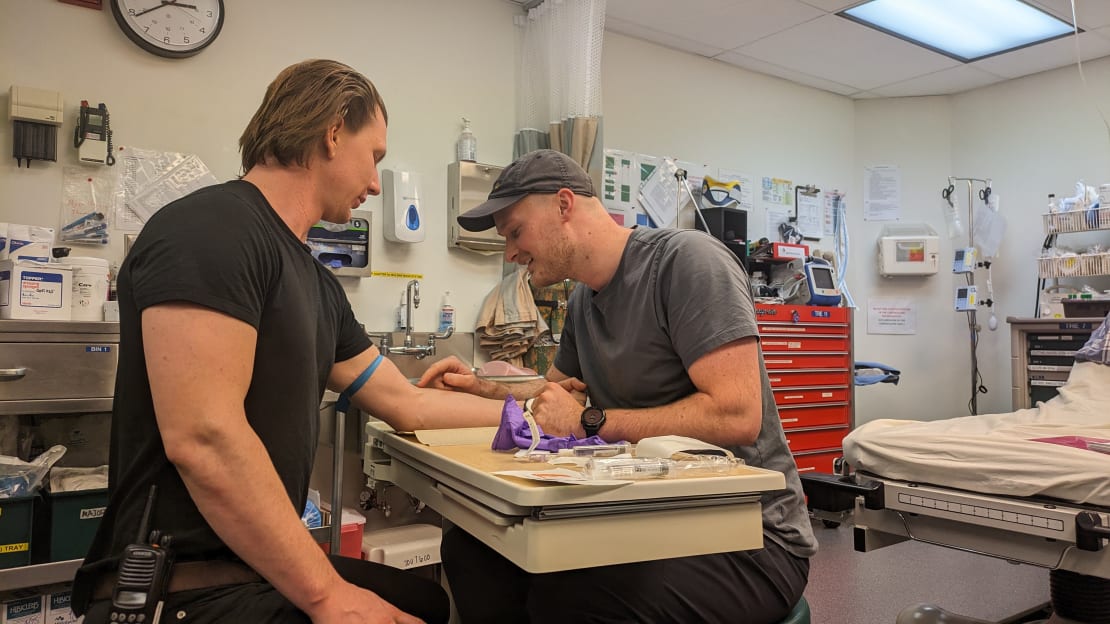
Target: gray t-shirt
{"x": 677, "y": 295}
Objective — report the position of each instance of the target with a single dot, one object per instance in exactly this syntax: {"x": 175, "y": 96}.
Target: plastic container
{"x": 66, "y": 523}
{"x": 404, "y": 547}
{"x": 15, "y": 531}
{"x": 951, "y": 209}
{"x": 350, "y": 534}
{"x": 467, "y": 147}
{"x": 91, "y": 277}
{"x": 446, "y": 314}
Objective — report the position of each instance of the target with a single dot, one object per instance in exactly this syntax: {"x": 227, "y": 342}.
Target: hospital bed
{"x": 1021, "y": 486}
{"x": 548, "y": 527}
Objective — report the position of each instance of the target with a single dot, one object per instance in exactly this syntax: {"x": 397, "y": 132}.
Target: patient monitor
{"x": 819, "y": 287}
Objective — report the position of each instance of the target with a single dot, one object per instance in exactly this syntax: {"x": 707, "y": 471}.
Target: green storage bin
{"x": 67, "y": 522}
{"x": 16, "y": 515}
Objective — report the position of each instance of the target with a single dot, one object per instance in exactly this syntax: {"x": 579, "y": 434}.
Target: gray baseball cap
{"x": 541, "y": 171}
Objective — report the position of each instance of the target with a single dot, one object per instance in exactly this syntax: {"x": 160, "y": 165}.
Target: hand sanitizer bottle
{"x": 446, "y": 314}
{"x": 467, "y": 147}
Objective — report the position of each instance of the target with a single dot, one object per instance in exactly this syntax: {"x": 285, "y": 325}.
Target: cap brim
{"x": 480, "y": 217}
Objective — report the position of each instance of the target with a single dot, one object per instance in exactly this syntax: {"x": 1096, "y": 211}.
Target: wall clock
{"x": 170, "y": 28}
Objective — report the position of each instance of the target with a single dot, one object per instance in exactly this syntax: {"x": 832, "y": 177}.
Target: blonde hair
{"x": 300, "y": 104}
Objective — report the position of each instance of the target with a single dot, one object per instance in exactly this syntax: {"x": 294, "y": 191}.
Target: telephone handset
{"x": 93, "y": 135}
{"x": 144, "y": 574}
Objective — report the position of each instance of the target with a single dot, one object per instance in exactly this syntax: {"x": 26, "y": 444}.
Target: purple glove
{"x": 514, "y": 433}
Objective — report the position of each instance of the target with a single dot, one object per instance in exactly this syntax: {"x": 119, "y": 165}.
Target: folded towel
{"x": 508, "y": 322}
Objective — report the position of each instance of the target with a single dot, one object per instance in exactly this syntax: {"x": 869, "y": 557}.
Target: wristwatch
{"x": 592, "y": 419}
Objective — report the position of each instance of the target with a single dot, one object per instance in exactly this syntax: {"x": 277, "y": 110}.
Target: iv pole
{"x": 972, "y": 322}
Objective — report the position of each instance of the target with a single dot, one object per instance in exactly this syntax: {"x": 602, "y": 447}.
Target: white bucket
{"x": 90, "y": 287}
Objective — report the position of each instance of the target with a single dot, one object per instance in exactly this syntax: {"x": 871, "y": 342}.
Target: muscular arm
{"x": 726, "y": 409}
{"x": 388, "y": 395}
{"x": 199, "y": 362}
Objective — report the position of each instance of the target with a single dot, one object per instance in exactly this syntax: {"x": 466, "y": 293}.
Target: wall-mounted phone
{"x": 966, "y": 298}
{"x": 93, "y": 135}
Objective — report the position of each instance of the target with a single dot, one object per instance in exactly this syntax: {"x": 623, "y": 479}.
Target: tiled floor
{"x": 849, "y": 587}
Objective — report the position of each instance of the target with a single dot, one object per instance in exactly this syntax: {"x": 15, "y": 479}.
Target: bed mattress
{"x": 1003, "y": 454}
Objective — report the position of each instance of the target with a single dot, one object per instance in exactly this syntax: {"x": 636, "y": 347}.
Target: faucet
{"x": 412, "y": 300}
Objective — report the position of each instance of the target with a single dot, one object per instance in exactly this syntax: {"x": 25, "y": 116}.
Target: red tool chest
{"x": 808, "y": 354}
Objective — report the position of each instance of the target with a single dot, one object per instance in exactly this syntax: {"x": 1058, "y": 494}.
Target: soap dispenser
{"x": 467, "y": 147}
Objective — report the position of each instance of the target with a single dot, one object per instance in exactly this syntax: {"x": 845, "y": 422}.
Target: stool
{"x": 799, "y": 614}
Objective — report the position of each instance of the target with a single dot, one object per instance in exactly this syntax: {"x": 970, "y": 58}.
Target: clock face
{"x": 170, "y": 28}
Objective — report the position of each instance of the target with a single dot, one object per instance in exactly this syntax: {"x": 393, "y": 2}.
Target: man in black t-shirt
{"x": 230, "y": 331}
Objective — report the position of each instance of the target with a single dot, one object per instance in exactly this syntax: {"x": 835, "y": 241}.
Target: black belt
{"x": 190, "y": 575}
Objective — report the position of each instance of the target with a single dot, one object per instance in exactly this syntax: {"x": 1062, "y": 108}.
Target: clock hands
{"x": 165, "y": 3}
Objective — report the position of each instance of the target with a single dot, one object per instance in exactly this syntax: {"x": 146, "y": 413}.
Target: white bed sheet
{"x": 994, "y": 453}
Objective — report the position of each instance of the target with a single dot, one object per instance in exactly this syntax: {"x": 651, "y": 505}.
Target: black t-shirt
{"x": 222, "y": 247}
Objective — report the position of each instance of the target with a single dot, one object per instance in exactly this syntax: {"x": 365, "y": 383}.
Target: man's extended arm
{"x": 199, "y": 363}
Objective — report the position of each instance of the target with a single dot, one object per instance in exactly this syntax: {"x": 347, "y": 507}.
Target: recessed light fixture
{"x": 966, "y": 30}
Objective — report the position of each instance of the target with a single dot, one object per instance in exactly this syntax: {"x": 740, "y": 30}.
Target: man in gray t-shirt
{"x": 662, "y": 333}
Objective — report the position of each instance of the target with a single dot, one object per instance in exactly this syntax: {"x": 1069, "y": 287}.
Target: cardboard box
{"x": 35, "y": 291}
{"x": 27, "y": 610}
{"x": 57, "y": 604}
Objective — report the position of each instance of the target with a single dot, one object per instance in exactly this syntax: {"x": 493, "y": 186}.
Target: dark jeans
{"x": 754, "y": 586}
{"x": 260, "y": 603}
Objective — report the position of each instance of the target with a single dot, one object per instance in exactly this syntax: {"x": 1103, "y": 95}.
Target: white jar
{"x": 91, "y": 277}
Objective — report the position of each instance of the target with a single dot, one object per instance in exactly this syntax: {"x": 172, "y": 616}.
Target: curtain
{"x": 559, "y": 90}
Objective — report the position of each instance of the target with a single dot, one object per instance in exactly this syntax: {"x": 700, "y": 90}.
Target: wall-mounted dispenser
{"x": 907, "y": 249}
{"x": 343, "y": 247}
{"x": 469, "y": 184}
{"x": 36, "y": 115}
{"x": 403, "y": 218}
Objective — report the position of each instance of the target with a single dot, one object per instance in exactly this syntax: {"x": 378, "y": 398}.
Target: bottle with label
{"x": 1053, "y": 205}
{"x": 446, "y": 314}
{"x": 467, "y": 147}
{"x": 402, "y": 314}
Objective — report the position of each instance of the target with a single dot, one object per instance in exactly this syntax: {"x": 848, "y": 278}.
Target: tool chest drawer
{"x": 817, "y": 439}
{"x": 794, "y": 361}
{"x": 773, "y": 343}
{"x": 820, "y": 461}
{"x": 809, "y": 396}
{"x": 786, "y": 378}
{"x": 806, "y": 416}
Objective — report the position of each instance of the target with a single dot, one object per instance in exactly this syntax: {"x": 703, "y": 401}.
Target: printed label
{"x": 40, "y": 290}
{"x": 14, "y": 548}
{"x": 92, "y": 513}
{"x": 98, "y": 349}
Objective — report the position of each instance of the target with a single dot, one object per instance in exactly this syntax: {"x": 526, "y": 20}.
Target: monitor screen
{"x": 822, "y": 278}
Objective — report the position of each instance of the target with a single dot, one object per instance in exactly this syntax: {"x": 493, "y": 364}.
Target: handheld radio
{"x": 144, "y": 574}
{"x": 92, "y": 135}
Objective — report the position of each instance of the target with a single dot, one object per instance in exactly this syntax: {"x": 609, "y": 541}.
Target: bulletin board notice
{"x": 891, "y": 316}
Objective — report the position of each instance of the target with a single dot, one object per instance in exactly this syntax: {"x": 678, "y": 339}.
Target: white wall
{"x": 437, "y": 61}
{"x": 434, "y": 62}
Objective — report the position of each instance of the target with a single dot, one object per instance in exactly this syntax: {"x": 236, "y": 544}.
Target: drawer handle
{"x": 11, "y": 374}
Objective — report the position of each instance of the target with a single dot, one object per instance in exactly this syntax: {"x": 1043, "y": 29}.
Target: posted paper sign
{"x": 891, "y": 316}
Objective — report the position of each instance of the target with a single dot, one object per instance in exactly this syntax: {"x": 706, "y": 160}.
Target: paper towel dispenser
{"x": 468, "y": 184}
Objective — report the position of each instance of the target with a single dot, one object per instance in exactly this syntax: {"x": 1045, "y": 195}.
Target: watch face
{"x": 170, "y": 28}
{"x": 592, "y": 416}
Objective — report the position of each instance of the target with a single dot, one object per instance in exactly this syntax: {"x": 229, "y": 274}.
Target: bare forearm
{"x": 235, "y": 487}
{"x": 696, "y": 416}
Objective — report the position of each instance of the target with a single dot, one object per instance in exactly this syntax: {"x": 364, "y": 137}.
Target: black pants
{"x": 754, "y": 586}
{"x": 259, "y": 603}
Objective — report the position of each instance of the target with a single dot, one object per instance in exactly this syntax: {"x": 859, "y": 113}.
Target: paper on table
{"x": 451, "y": 437}
{"x": 559, "y": 475}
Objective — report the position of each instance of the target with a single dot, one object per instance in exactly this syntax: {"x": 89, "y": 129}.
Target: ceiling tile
{"x": 719, "y": 23}
{"x": 945, "y": 81}
{"x": 1091, "y": 14}
{"x": 661, "y": 38}
{"x": 1048, "y": 55}
{"x": 747, "y": 62}
{"x": 832, "y": 6}
{"x": 848, "y": 53}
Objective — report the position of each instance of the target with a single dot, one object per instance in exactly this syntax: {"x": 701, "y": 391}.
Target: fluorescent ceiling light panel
{"x": 966, "y": 30}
